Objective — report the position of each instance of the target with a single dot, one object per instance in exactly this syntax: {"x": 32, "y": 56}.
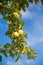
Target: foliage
{"x": 10, "y": 10}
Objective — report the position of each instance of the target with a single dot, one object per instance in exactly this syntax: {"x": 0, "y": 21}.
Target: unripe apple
{"x": 0, "y": 47}
{"x": 20, "y": 32}
{"x": 16, "y": 15}
{"x": 23, "y": 51}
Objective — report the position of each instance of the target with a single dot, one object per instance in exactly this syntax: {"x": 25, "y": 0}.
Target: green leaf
{"x": 42, "y": 2}
{"x": 31, "y": 1}
{"x": 36, "y": 1}
{"x": 0, "y": 58}
{"x": 7, "y": 45}
{"x": 4, "y": 52}
{"x": 29, "y": 55}
{"x": 18, "y": 57}
{"x": 0, "y": 3}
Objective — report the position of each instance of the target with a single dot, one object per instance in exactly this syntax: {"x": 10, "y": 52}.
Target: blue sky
{"x": 33, "y": 17}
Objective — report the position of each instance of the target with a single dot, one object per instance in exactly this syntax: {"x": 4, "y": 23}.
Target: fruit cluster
{"x": 17, "y": 34}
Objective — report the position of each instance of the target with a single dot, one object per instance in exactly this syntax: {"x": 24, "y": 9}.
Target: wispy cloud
{"x": 31, "y": 62}
{"x": 14, "y": 63}
{"x": 24, "y": 62}
{"x": 32, "y": 11}
{"x": 37, "y": 31}
{"x": 27, "y": 14}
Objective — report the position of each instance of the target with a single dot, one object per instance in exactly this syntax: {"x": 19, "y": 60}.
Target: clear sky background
{"x": 33, "y": 17}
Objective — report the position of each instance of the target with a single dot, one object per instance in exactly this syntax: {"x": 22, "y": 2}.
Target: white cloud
{"x": 32, "y": 11}
{"x": 9, "y": 63}
{"x": 31, "y": 62}
{"x": 23, "y": 62}
{"x": 27, "y": 14}
{"x": 36, "y": 35}
{"x": 14, "y": 63}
